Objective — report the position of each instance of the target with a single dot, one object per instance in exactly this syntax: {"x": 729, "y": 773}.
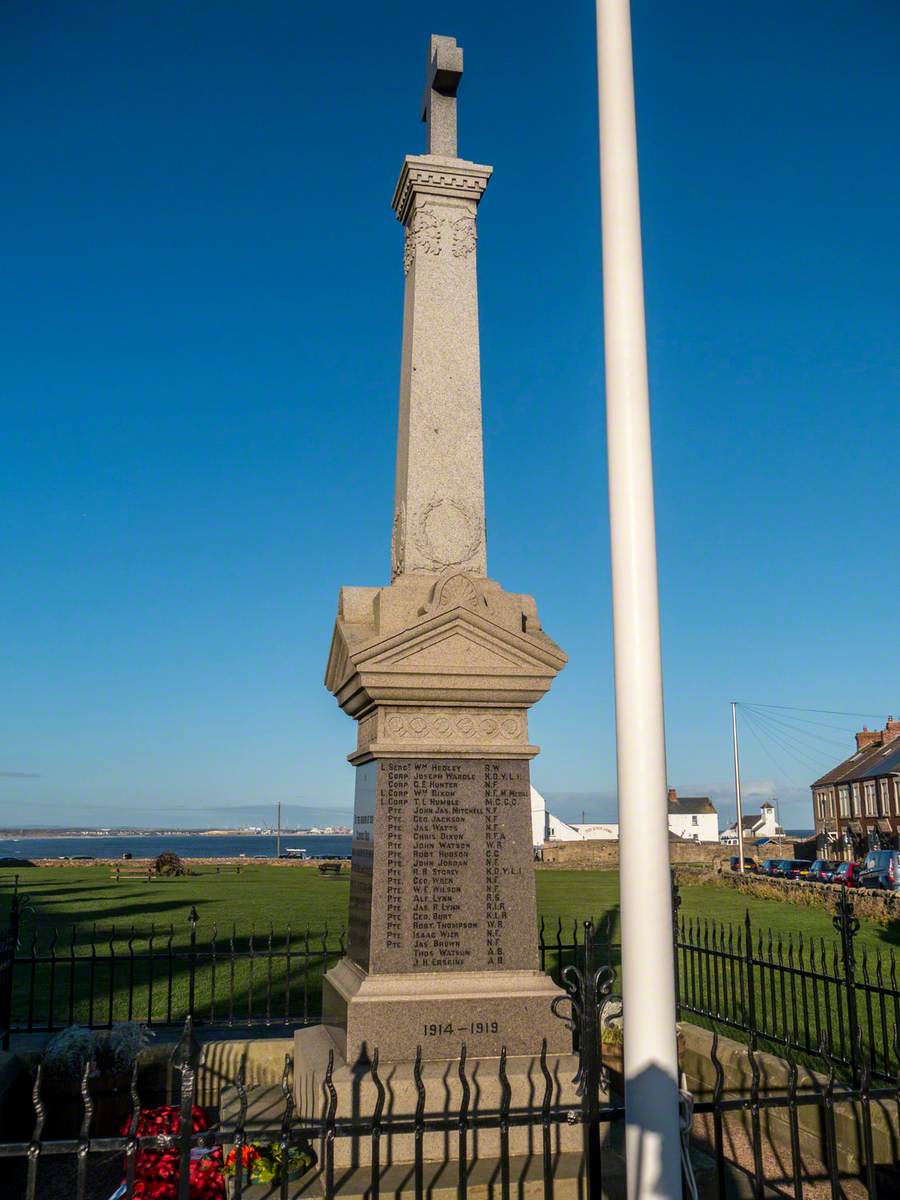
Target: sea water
{"x": 186, "y": 845}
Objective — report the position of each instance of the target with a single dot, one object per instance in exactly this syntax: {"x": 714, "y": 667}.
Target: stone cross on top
{"x": 443, "y": 73}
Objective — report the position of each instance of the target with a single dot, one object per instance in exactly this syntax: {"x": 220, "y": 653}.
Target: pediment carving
{"x": 456, "y": 591}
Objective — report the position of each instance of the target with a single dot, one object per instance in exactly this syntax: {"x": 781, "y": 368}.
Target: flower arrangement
{"x": 156, "y": 1171}
{"x": 267, "y": 1162}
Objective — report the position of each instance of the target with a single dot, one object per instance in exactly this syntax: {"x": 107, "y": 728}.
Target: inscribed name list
{"x": 452, "y": 869}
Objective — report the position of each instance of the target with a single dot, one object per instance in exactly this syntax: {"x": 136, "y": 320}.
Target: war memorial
{"x": 439, "y": 670}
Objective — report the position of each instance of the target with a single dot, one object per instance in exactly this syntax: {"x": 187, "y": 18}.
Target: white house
{"x": 691, "y": 817}
{"x": 608, "y": 832}
{"x": 756, "y": 825}
{"x": 547, "y": 828}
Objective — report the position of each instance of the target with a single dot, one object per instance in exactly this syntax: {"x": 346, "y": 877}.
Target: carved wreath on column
{"x": 431, "y": 228}
{"x": 467, "y": 542}
{"x": 464, "y": 236}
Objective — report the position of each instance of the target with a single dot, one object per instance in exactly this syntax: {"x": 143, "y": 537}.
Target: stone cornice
{"x": 433, "y": 176}
{"x": 442, "y": 731}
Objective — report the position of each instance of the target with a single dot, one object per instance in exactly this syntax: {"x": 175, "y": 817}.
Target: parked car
{"x": 749, "y": 863}
{"x": 769, "y": 866}
{"x": 847, "y": 873}
{"x": 881, "y": 870}
{"x": 822, "y": 870}
{"x": 795, "y": 868}
{"x": 778, "y": 867}
{"x": 790, "y": 868}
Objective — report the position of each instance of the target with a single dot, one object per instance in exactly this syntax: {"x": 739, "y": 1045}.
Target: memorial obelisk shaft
{"x": 439, "y": 670}
{"x": 439, "y": 495}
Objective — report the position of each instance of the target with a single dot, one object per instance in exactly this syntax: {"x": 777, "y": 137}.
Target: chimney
{"x": 891, "y": 730}
{"x": 870, "y": 737}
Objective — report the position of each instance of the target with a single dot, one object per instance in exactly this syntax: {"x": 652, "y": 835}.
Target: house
{"x": 605, "y": 831}
{"x": 856, "y": 805}
{"x": 545, "y": 827}
{"x": 756, "y": 827}
{"x": 692, "y": 818}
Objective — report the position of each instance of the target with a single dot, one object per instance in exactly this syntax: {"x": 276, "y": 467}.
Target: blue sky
{"x": 200, "y": 332}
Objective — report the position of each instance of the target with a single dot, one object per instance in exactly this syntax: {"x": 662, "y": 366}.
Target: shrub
{"x": 169, "y": 863}
{"x": 111, "y": 1050}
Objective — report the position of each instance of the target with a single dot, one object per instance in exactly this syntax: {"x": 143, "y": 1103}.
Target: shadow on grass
{"x": 890, "y": 933}
{"x": 70, "y": 969}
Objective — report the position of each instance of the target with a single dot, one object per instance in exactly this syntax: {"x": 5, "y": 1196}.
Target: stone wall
{"x": 695, "y": 1045}
{"x": 881, "y": 906}
{"x": 603, "y": 854}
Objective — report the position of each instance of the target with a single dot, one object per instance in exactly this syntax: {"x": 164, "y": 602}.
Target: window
{"x": 831, "y": 802}
{"x": 694, "y": 821}
{"x": 854, "y": 800}
{"x": 844, "y": 800}
{"x": 869, "y": 788}
{"x": 884, "y": 806}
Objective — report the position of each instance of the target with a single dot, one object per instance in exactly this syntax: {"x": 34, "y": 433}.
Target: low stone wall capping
{"x": 697, "y": 1063}
{"x": 603, "y": 853}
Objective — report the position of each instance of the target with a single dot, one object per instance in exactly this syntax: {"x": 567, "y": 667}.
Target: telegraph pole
{"x": 652, "y": 1137}
{"x": 278, "y": 833}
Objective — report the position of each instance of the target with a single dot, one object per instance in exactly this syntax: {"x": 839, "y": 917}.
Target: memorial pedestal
{"x": 357, "y": 1094}
{"x": 437, "y": 1012}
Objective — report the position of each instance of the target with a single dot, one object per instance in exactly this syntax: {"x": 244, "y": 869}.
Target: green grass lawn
{"x": 300, "y": 897}
{"x": 234, "y": 976}
{"x": 260, "y": 896}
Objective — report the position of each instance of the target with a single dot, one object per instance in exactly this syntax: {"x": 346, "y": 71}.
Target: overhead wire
{"x": 851, "y": 728}
{"x": 831, "y": 743}
{"x": 779, "y": 766}
{"x": 831, "y": 712}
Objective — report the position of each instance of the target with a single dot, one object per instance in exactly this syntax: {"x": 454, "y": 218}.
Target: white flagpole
{"x": 652, "y": 1140}
{"x": 737, "y": 785}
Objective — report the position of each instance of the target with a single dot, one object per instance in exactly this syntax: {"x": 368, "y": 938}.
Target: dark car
{"x": 822, "y": 870}
{"x": 769, "y": 866}
{"x": 847, "y": 873}
{"x": 881, "y": 870}
{"x": 795, "y": 868}
{"x": 779, "y": 867}
{"x": 749, "y": 863}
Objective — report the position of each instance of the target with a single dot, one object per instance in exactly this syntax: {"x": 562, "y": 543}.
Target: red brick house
{"x": 856, "y": 805}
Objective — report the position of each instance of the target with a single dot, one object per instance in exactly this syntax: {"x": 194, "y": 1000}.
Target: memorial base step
{"x": 484, "y": 1181}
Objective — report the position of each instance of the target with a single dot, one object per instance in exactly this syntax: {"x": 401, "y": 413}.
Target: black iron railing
{"x": 790, "y": 990}
{"x": 51, "y": 978}
{"x": 783, "y": 989}
{"x": 371, "y": 1135}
